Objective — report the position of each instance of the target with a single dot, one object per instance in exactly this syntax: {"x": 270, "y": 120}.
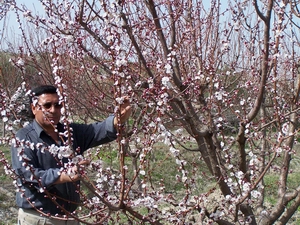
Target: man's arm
{"x": 26, "y": 164}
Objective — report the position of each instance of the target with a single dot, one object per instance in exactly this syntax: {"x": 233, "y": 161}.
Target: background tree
{"x": 215, "y": 90}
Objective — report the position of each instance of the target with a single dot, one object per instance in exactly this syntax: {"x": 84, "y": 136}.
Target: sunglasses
{"x": 49, "y": 105}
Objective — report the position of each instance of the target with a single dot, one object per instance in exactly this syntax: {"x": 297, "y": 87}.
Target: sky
{"x": 33, "y": 5}
{"x": 10, "y": 21}
{"x": 9, "y": 25}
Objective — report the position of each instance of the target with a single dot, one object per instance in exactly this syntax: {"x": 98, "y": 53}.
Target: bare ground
{"x": 8, "y": 209}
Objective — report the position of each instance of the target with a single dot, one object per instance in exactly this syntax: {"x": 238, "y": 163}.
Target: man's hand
{"x": 75, "y": 173}
{"x": 125, "y": 112}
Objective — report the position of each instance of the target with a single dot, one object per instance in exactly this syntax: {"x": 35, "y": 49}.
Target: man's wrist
{"x": 117, "y": 124}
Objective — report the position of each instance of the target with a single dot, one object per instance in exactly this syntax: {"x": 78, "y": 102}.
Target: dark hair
{"x": 37, "y": 91}
{"x": 43, "y": 89}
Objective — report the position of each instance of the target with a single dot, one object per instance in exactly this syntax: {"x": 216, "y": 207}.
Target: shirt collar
{"x": 39, "y": 129}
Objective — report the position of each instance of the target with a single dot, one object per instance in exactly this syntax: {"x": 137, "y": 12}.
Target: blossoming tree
{"x": 215, "y": 90}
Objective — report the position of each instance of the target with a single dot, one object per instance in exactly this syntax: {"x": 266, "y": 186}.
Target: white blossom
{"x": 121, "y": 62}
{"x": 222, "y": 144}
{"x": 168, "y": 68}
{"x": 225, "y": 46}
{"x": 285, "y": 128}
{"x": 174, "y": 151}
{"x": 20, "y": 62}
{"x": 219, "y": 95}
{"x": 255, "y": 194}
{"x": 166, "y": 82}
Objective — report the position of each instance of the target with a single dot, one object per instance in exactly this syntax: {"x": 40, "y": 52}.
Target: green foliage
{"x": 6, "y": 201}
{"x": 271, "y": 187}
{"x": 163, "y": 168}
{"x": 3, "y": 176}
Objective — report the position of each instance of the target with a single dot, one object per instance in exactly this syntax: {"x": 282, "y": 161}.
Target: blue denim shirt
{"x": 46, "y": 167}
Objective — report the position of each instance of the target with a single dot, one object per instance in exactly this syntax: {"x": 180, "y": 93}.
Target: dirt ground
{"x": 8, "y": 209}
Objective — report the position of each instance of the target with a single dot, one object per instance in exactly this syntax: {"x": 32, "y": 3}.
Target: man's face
{"x": 47, "y": 110}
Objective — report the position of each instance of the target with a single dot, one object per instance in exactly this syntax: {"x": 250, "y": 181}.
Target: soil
{"x": 8, "y": 209}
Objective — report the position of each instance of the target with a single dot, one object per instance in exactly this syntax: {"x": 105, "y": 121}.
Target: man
{"x": 40, "y": 154}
